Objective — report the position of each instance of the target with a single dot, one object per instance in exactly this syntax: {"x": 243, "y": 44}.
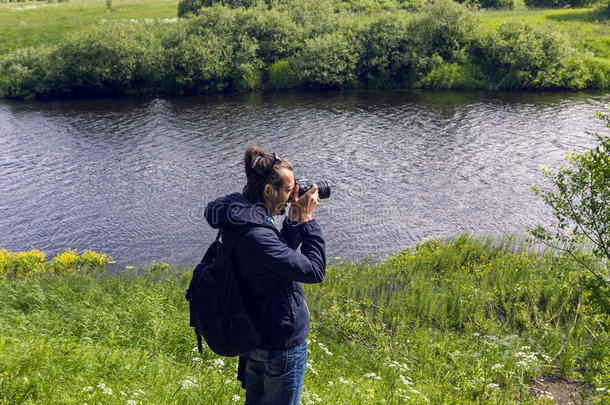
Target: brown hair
{"x": 261, "y": 169}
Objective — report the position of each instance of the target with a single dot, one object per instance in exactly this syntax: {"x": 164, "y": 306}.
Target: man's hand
{"x": 302, "y": 208}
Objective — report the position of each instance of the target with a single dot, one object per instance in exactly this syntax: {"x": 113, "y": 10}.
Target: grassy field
{"x": 461, "y": 322}
{"x": 585, "y": 27}
{"x": 35, "y": 23}
{"x": 139, "y": 48}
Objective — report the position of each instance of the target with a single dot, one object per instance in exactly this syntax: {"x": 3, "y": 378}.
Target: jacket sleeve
{"x": 281, "y": 261}
{"x": 290, "y": 232}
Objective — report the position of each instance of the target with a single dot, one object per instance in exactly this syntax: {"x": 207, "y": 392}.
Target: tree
{"x": 579, "y": 195}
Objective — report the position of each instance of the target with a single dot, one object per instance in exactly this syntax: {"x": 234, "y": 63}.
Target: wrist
{"x": 305, "y": 218}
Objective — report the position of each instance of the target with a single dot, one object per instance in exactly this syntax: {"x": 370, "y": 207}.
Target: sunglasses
{"x": 276, "y": 160}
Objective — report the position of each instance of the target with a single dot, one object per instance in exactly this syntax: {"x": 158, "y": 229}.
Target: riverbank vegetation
{"x": 294, "y": 45}
{"x": 465, "y": 321}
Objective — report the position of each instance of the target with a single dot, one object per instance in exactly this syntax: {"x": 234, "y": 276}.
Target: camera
{"x": 323, "y": 187}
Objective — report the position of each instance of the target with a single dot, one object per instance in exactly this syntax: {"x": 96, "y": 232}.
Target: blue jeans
{"x": 275, "y": 377}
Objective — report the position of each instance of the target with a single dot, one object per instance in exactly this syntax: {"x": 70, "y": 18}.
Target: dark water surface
{"x": 131, "y": 177}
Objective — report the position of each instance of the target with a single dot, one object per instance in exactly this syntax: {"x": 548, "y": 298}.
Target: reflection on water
{"x": 131, "y": 177}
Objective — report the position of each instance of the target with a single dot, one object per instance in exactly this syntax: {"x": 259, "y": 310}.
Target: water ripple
{"x": 132, "y": 177}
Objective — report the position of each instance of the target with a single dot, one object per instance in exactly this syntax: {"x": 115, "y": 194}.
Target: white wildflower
{"x": 325, "y": 349}
{"x": 189, "y": 382}
{"x": 25, "y": 8}
{"x": 310, "y": 368}
{"x": 138, "y": 393}
{"x": 414, "y": 391}
{"x": 497, "y": 366}
{"x": 600, "y": 389}
{"x": 545, "y": 357}
{"x": 331, "y": 383}
{"x": 401, "y": 366}
{"x": 373, "y": 376}
{"x": 315, "y": 397}
{"x": 546, "y": 395}
{"x": 87, "y": 389}
{"x": 342, "y": 380}
{"x": 401, "y": 393}
{"x": 522, "y": 364}
{"x": 235, "y": 398}
{"x": 197, "y": 359}
{"x": 123, "y": 394}
{"x": 195, "y": 349}
{"x": 105, "y": 390}
{"x": 131, "y": 402}
{"x": 405, "y": 380}
{"x": 219, "y": 363}
{"x": 493, "y": 386}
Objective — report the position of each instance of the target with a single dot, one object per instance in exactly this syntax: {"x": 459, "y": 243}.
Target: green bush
{"x": 386, "y": 52}
{"x": 209, "y": 53}
{"x": 360, "y": 6}
{"x": 520, "y": 56}
{"x": 444, "y": 75}
{"x": 277, "y": 35}
{"x": 500, "y": 4}
{"x": 326, "y": 62}
{"x": 443, "y": 28}
{"x": 282, "y": 76}
{"x": 321, "y": 45}
{"x": 106, "y": 60}
{"x": 599, "y": 70}
{"x": 316, "y": 17}
{"x": 557, "y": 3}
{"x": 604, "y": 8}
{"x": 186, "y": 7}
{"x": 578, "y": 194}
{"x": 503, "y": 4}
{"x": 24, "y": 73}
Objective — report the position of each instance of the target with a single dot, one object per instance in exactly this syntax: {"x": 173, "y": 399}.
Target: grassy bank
{"x": 33, "y": 24}
{"x": 459, "y": 322}
{"x": 38, "y": 23}
{"x": 586, "y": 27}
{"x": 140, "y": 48}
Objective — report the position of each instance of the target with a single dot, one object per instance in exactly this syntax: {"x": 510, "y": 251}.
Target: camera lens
{"x": 323, "y": 188}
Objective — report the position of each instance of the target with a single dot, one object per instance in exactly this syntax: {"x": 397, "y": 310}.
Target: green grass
{"x": 460, "y": 322}
{"x": 36, "y": 23}
{"x": 585, "y": 27}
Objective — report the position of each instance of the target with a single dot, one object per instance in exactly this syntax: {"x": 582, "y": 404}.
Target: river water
{"x": 131, "y": 177}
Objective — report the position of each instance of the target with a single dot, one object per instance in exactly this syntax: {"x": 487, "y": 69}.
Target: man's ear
{"x": 267, "y": 191}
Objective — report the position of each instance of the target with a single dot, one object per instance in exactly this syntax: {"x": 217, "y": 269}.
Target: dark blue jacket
{"x": 270, "y": 268}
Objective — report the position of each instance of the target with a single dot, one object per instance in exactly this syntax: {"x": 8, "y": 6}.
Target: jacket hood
{"x": 234, "y": 210}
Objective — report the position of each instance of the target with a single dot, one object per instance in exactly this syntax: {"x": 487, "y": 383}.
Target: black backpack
{"x": 217, "y": 309}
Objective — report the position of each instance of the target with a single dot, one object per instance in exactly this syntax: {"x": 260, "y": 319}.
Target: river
{"x": 130, "y": 178}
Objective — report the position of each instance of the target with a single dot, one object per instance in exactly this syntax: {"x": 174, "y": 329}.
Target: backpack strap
{"x": 199, "y": 342}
